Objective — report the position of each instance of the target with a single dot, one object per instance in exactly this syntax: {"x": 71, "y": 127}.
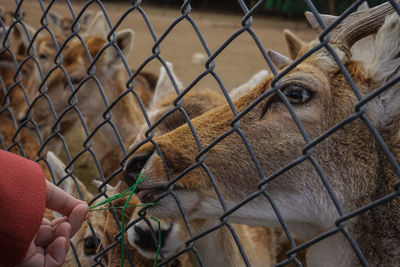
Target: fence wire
{"x": 31, "y": 124}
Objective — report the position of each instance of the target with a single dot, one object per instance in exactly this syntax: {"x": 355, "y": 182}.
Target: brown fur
{"x": 25, "y": 143}
{"x": 17, "y": 85}
{"x": 126, "y": 114}
{"x": 15, "y": 94}
{"x": 46, "y": 50}
{"x": 354, "y": 163}
{"x": 16, "y": 139}
{"x": 260, "y": 244}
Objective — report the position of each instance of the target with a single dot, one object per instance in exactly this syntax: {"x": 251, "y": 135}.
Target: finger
{"x": 78, "y": 215}
{"x": 44, "y": 236}
{"x": 59, "y": 200}
{"x": 57, "y": 221}
{"x": 55, "y": 253}
{"x": 46, "y": 221}
{"x": 63, "y": 229}
{"x": 40, "y": 250}
{"x": 32, "y": 258}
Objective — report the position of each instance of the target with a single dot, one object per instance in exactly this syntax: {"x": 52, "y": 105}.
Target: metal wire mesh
{"x": 26, "y": 136}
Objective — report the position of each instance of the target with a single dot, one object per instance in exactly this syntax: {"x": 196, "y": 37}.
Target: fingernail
{"x": 87, "y": 216}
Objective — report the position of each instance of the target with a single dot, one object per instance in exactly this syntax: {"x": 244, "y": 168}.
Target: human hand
{"x": 51, "y": 243}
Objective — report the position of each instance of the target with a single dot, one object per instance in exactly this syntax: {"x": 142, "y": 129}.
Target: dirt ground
{"x": 234, "y": 65}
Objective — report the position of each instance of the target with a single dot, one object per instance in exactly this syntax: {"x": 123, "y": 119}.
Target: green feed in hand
{"x": 129, "y": 192}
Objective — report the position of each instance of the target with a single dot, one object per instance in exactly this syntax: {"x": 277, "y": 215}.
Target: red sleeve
{"x": 22, "y": 205}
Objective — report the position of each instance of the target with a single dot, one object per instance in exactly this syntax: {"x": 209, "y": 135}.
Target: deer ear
{"x": 22, "y": 37}
{"x": 280, "y": 61}
{"x": 98, "y": 26}
{"x": 85, "y": 19}
{"x": 68, "y": 185}
{"x": 164, "y": 85}
{"x": 363, "y": 6}
{"x": 328, "y": 20}
{"x": 385, "y": 68}
{"x": 250, "y": 84}
{"x": 3, "y": 31}
{"x": 111, "y": 190}
{"x": 124, "y": 40}
{"x": 119, "y": 202}
{"x": 58, "y": 169}
{"x": 364, "y": 50}
{"x": 2, "y": 14}
{"x": 295, "y": 44}
{"x": 55, "y": 19}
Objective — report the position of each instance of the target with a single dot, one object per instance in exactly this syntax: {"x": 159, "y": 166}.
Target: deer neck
{"x": 377, "y": 231}
{"x": 126, "y": 114}
{"x": 380, "y": 235}
{"x": 377, "y": 238}
{"x": 331, "y": 252}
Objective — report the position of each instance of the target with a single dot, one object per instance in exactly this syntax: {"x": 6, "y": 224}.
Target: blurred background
{"x": 217, "y": 21}
{"x": 272, "y": 7}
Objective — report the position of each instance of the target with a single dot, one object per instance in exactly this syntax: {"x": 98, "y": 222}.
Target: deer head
{"x": 108, "y": 81}
{"x": 63, "y": 24}
{"x": 218, "y": 247}
{"x": 19, "y": 74}
{"x": 87, "y": 241}
{"x": 194, "y": 104}
{"x": 320, "y": 97}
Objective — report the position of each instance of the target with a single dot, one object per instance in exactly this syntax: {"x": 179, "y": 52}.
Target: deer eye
{"x": 75, "y": 81}
{"x": 42, "y": 56}
{"x": 176, "y": 263}
{"x": 297, "y": 94}
{"x": 90, "y": 246}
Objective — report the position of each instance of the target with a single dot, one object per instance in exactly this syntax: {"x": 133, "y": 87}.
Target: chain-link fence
{"x": 309, "y": 155}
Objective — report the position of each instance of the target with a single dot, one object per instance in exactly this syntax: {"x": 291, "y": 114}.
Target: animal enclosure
{"x": 99, "y": 92}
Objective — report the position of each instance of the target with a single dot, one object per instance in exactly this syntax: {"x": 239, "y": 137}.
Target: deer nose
{"x": 135, "y": 166}
{"x": 145, "y": 240}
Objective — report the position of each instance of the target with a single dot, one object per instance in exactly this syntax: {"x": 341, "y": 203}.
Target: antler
{"x": 328, "y": 19}
{"x": 356, "y": 26}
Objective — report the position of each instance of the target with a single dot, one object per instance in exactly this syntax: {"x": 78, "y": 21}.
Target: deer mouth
{"x": 153, "y": 194}
{"x": 147, "y": 195}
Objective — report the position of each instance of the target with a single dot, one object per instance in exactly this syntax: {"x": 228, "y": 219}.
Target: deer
{"x": 112, "y": 77}
{"x": 85, "y": 242}
{"x": 18, "y": 74}
{"x": 44, "y": 43}
{"x": 14, "y": 87}
{"x": 63, "y": 24}
{"x": 88, "y": 243}
{"x": 261, "y": 244}
{"x": 28, "y": 68}
{"x": 355, "y": 165}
